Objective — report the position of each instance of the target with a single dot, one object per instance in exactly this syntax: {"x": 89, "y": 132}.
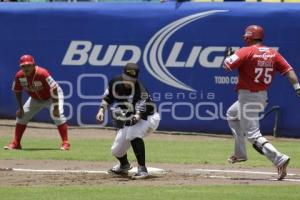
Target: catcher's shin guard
{"x": 259, "y": 143}
{"x": 259, "y": 150}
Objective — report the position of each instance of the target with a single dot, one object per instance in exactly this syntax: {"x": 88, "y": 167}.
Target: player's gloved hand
{"x": 20, "y": 112}
{"x": 100, "y": 115}
{"x": 228, "y": 52}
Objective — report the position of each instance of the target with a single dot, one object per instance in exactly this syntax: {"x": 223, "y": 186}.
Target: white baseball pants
{"x": 243, "y": 120}
{"x": 128, "y": 133}
{"x": 33, "y": 106}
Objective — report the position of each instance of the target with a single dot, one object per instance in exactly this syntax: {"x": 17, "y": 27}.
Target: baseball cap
{"x": 26, "y": 60}
{"x": 130, "y": 72}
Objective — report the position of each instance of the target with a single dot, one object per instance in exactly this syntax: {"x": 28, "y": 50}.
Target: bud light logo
{"x": 81, "y": 53}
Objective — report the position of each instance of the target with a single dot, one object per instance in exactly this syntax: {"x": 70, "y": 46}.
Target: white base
{"x": 151, "y": 170}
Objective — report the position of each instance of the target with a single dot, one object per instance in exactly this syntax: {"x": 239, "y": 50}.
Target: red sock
{"x": 20, "y": 128}
{"x": 63, "y": 131}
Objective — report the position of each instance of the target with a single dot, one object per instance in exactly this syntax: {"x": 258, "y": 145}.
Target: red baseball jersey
{"x": 256, "y": 65}
{"x": 38, "y": 85}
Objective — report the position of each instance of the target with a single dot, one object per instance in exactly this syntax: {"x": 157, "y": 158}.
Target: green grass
{"x": 233, "y": 192}
{"x": 43, "y": 148}
{"x": 213, "y": 151}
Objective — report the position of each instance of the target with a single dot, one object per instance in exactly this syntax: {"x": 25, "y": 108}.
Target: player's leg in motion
{"x": 60, "y": 121}
{"x": 119, "y": 150}
{"x": 31, "y": 108}
{"x": 252, "y": 104}
{"x": 233, "y": 117}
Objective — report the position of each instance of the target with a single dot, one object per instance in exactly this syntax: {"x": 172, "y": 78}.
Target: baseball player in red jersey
{"x": 256, "y": 65}
{"x": 44, "y": 92}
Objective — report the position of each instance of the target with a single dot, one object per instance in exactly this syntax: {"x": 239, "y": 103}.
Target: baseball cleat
{"x": 120, "y": 169}
{"x": 233, "y": 159}
{"x": 282, "y": 170}
{"x": 142, "y": 173}
{"x": 13, "y": 146}
{"x": 65, "y": 146}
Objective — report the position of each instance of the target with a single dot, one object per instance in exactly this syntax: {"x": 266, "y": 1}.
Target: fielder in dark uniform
{"x": 135, "y": 115}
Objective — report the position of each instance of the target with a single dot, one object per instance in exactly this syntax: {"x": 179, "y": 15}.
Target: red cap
{"x": 254, "y": 32}
{"x": 26, "y": 60}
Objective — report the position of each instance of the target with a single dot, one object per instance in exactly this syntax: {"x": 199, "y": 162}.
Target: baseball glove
{"x": 118, "y": 117}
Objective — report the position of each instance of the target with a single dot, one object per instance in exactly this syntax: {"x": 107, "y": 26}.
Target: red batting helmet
{"x": 26, "y": 60}
{"x": 254, "y": 32}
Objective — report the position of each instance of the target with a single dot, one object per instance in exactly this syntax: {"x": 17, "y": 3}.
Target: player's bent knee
{"x": 132, "y": 135}
{"x": 58, "y": 122}
{"x": 231, "y": 116}
{"x": 117, "y": 153}
{"x": 22, "y": 121}
{"x": 130, "y": 138}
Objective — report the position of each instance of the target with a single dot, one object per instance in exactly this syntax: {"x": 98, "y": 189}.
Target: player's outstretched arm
{"x": 54, "y": 96}
{"x": 292, "y": 76}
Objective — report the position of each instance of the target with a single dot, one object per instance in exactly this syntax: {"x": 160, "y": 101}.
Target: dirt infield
{"x": 175, "y": 174}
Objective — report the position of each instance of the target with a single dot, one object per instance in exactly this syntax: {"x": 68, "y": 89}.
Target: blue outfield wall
{"x": 180, "y": 49}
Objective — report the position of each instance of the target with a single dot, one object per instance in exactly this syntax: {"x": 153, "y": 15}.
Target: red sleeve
{"x": 236, "y": 60}
{"x": 17, "y": 85}
{"x": 282, "y": 65}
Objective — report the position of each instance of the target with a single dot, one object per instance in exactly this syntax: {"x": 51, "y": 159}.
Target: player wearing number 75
{"x": 256, "y": 66}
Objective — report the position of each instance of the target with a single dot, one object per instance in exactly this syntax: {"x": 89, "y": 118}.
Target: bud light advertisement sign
{"x": 180, "y": 50}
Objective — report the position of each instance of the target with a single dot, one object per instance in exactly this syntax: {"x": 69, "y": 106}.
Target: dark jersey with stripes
{"x": 133, "y": 98}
